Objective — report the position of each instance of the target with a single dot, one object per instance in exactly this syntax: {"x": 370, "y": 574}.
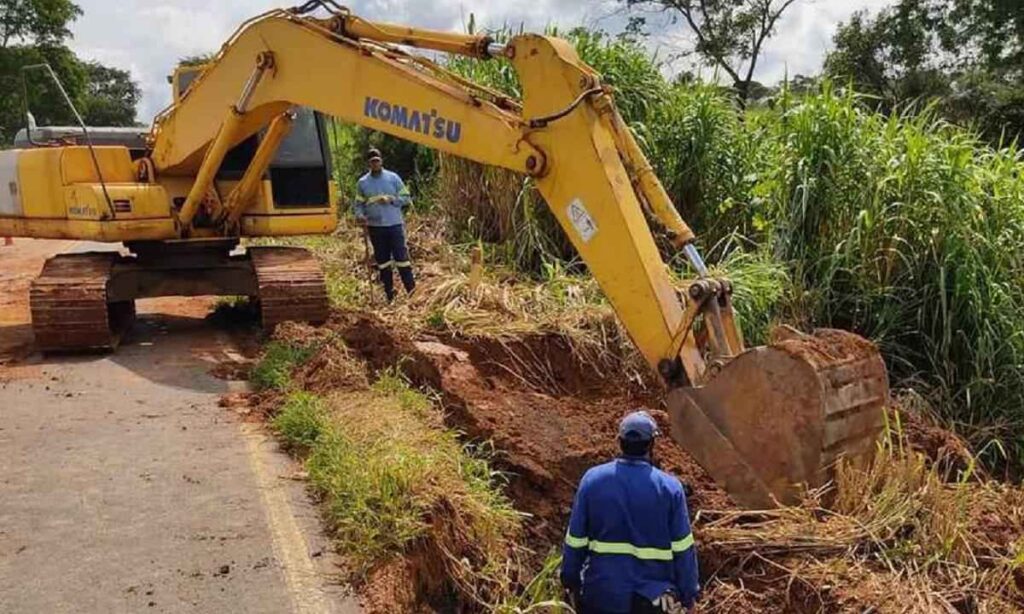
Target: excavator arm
{"x": 578, "y": 160}
{"x": 762, "y": 421}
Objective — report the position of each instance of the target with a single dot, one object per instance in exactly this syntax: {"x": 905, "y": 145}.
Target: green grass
{"x": 274, "y": 370}
{"x": 907, "y": 230}
{"x": 302, "y": 421}
{"x": 543, "y": 593}
{"x": 763, "y": 293}
{"x": 395, "y": 482}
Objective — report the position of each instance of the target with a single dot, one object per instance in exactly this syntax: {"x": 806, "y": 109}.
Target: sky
{"x": 147, "y": 37}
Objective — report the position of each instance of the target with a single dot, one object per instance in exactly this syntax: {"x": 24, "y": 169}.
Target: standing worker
{"x": 380, "y": 197}
{"x": 629, "y": 548}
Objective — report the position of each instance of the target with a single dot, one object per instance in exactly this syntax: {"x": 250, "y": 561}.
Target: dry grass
{"x": 503, "y": 306}
{"x": 895, "y": 536}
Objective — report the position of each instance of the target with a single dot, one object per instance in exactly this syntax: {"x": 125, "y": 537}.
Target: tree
{"x": 34, "y": 32}
{"x": 990, "y": 104}
{"x": 47, "y": 105}
{"x": 36, "y": 22}
{"x": 984, "y": 33}
{"x": 892, "y": 56}
{"x": 966, "y": 56}
{"x": 730, "y": 34}
{"x": 110, "y": 96}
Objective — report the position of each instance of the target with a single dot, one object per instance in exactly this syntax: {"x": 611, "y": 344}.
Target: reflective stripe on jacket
{"x": 385, "y": 184}
{"x": 629, "y": 533}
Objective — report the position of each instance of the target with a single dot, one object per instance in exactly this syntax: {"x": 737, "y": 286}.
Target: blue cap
{"x": 638, "y": 425}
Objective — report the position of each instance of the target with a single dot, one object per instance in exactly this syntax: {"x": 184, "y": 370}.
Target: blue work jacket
{"x": 629, "y": 533}
{"x": 380, "y": 213}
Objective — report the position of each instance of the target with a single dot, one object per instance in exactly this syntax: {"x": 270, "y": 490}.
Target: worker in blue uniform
{"x": 629, "y": 548}
{"x": 380, "y": 197}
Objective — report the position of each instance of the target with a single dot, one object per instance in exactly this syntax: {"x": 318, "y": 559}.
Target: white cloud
{"x": 148, "y": 37}
{"x": 805, "y": 35}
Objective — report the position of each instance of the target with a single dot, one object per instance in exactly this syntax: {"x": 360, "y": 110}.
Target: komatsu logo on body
{"x": 428, "y": 123}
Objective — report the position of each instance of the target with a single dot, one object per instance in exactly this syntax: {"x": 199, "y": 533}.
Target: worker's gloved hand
{"x": 572, "y": 597}
{"x": 670, "y": 604}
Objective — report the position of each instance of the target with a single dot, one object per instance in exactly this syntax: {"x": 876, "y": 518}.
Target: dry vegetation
{"x": 896, "y": 537}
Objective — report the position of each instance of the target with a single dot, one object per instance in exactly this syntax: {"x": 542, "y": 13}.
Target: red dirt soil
{"x": 548, "y": 429}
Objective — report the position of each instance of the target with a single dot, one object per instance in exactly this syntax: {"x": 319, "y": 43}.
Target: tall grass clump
{"x": 502, "y": 207}
{"x": 907, "y": 230}
{"x": 703, "y": 154}
{"x": 762, "y": 292}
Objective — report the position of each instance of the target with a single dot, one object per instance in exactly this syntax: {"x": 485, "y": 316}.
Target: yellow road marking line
{"x": 290, "y": 547}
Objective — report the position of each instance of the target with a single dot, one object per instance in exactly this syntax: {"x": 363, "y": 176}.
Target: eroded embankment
{"x": 549, "y": 416}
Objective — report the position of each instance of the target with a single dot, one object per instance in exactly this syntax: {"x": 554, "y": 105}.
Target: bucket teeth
{"x": 291, "y": 286}
{"x": 777, "y": 418}
{"x": 69, "y": 305}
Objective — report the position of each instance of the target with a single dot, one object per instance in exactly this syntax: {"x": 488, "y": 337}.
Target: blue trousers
{"x": 390, "y": 251}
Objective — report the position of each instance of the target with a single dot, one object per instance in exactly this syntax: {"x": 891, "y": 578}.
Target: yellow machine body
{"x": 55, "y": 193}
{"x": 765, "y": 422}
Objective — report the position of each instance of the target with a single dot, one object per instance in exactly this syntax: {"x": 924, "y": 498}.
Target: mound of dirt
{"x": 332, "y": 365}
{"x": 941, "y": 447}
{"x": 549, "y": 418}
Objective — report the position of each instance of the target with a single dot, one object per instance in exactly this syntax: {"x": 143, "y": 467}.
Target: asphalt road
{"x": 124, "y": 487}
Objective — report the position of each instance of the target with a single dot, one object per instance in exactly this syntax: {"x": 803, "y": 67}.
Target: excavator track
{"x": 70, "y": 312}
{"x": 291, "y": 286}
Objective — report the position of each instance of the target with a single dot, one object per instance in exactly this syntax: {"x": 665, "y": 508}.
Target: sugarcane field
{"x": 606, "y": 307}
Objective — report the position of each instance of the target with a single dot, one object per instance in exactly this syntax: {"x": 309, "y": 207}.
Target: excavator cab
{"x": 300, "y": 171}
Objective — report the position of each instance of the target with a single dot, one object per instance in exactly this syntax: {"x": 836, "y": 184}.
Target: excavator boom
{"x": 764, "y": 422}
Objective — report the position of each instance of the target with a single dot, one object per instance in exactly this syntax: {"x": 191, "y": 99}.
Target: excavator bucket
{"x": 776, "y": 418}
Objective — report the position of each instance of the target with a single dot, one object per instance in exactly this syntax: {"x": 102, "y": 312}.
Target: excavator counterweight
{"x": 242, "y": 152}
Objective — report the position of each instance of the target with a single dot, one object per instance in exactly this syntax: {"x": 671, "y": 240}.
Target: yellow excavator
{"x": 242, "y": 152}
